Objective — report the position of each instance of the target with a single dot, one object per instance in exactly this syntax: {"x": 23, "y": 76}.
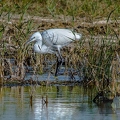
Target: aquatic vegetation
{"x": 95, "y": 59}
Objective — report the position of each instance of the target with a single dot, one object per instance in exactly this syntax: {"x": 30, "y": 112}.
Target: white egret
{"x": 52, "y": 40}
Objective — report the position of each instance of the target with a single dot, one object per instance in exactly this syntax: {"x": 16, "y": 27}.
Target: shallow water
{"x": 64, "y": 103}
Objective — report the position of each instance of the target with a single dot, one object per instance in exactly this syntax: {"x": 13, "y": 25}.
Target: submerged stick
{"x": 31, "y": 99}
{"x": 45, "y": 101}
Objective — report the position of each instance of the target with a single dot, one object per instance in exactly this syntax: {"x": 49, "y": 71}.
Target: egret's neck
{"x": 37, "y": 46}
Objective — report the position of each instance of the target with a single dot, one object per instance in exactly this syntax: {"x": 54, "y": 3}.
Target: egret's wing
{"x": 49, "y": 38}
{"x": 58, "y": 37}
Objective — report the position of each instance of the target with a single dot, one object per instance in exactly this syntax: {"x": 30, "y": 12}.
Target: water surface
{"x": 64, "y": 103}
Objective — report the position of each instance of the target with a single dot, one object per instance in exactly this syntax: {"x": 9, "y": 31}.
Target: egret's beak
{"x": 30, "y": 40}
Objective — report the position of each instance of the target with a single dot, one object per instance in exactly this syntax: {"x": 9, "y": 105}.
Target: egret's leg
{"x": 60, "y": 58}
{"x": 59, "y": 62}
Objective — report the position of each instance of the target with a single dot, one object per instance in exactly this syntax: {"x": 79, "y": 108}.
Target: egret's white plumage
{"x": 59, "y": 37}
{"x": 52, "y": 40}
{"x": 41, "y": 48}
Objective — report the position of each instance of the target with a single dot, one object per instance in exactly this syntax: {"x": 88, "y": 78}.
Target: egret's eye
{"x": 33, "y": 37}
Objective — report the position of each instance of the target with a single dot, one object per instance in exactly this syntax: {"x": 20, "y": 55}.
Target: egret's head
{"x": 35, "y": 37}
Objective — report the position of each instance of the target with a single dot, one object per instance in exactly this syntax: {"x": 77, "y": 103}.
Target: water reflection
{"x": 64, "y": 103}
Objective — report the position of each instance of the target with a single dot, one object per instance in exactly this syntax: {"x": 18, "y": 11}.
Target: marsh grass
{"x": 96, "y": 60}
{"x": 73, "y": 8}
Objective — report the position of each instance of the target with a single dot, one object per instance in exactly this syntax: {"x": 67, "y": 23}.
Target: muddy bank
{"x": 85, "y": 25}
{"x": 11, "y": 83}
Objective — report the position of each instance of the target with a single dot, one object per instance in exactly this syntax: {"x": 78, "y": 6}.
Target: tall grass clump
{"x": 2, "y": 29}
{"x": 101, "y": 61}
{"x": 99, "y": 66}
{"x": 13, "y": 35}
